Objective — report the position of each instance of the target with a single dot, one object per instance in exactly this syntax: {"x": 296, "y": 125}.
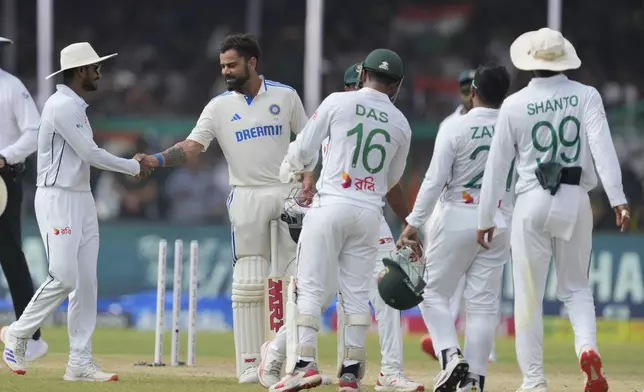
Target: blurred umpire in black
{"x": 19, "y": 121}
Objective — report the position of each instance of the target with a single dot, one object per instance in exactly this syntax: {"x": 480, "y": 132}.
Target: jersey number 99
{"x": 368, "y": 148}
{"x": 557, "y": 138}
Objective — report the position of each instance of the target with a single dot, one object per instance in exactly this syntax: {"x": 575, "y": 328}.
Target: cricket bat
{"x": 274, "y": 289}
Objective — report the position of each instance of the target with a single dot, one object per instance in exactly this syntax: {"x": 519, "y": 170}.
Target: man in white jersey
{"x": 67, "y": 217}
{"x": 454, "y": 176}
{"x": 555, "y": 128}
{"x": 465, "y": 84}
{"x": 391, "y": 376}
{"x": 369, "y": 141}
{"x": 252, "y": 122}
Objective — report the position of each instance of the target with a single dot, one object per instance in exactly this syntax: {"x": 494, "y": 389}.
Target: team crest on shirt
{"x": 274, "y": 109}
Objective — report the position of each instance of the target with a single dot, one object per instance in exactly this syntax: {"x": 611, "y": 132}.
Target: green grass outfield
{"x": 117, "y": 350}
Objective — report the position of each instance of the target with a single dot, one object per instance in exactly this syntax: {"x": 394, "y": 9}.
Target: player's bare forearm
{"x": 176, "y": 155}
{"x": 398, "y": 202}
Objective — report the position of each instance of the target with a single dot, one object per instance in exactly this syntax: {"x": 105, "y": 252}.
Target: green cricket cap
{"x": 386, "y": 62}
{"x": 351, "y": 74}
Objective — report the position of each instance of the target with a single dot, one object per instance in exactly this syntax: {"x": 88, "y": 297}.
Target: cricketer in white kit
{"x": 67, "y": 217}
{"x": 252, "y": 123}
{"x": 556, "y": 128}
{"x": 464, "y": 83}
{"x": 369, "y": 141}
{"x": 454, "y": 176}
{"x": 391, "y": 376}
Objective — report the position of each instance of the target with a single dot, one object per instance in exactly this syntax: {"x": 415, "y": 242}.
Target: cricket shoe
{"x": 249, "y": 376}
{"x": 349, "y": 383}
{"x": 591, "y": 364}
{"x": 36, "y": 349}
{"x": 89, "y": 372}
{"x": 397, "y": 383}
{"x": 14, "y": 351}
{"x": 470, "y": 385}
{"x": 427, "y": 346}
{"x": 307, "y": 377}
{"x": 538, "y": 388}
{"x": 269, "y": 370}
{"x": 453, "y": 375}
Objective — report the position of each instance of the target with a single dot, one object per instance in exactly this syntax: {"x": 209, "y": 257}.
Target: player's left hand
{"x": 481, "y": 234}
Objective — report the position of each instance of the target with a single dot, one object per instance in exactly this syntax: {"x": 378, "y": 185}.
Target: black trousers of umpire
{"x": 12, "y": 258}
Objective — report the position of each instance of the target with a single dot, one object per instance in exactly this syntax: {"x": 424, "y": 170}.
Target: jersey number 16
{"x": 368, "y": 148}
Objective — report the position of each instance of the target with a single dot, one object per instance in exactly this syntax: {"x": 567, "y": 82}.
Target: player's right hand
{"x": 308, "y": 187}
{"x": 145, "y": 168}
{"x": 409, "y": 237}
{"x": 623, "y": 217}
{"x": 481, "y": 234}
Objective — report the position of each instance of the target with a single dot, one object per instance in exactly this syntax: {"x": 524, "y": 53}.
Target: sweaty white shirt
{"x": 551, "y": 119}
{"x": 66, "y": 147}
{"x": 456, "y": 169}
{"x": 254, "y": 133}
{"x": 19, "y": 120}
{"x": 369, "y": 141}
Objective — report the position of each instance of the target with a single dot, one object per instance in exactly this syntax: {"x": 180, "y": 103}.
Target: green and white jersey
{"x": 551, "y": 119}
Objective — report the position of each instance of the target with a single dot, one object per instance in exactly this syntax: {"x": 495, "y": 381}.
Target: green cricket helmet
{"x": 351, "y": 74}
{"x": 385, "y": 62}
{"x": 401, "y": 283}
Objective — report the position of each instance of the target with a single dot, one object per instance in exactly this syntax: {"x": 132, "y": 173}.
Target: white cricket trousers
{"x": 532, "y": 250}
{"x": 388, "y": 318}
{"x": 69, "y": 228}
{"x": 345, "y": 237}
{"x": 453, "y": 252}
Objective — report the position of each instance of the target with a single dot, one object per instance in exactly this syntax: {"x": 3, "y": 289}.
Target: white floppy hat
{"x": 4, "y": 40}
{"x": 543, "y": 49}
{"x": 78, "y": 55}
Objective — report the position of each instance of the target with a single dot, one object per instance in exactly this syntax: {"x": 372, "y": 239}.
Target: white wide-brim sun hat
{"x": 4, "y": 40}
{"x": 544, "y": 49}
{"x": 78, "y": 55}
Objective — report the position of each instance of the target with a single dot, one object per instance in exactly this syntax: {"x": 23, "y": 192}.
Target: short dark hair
{"x": 245, "y": 44}
{"x": 381, "y": 78}
{"x": 492, "y": 83}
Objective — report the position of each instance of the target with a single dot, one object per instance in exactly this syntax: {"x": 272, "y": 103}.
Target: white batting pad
{"x": 293, "y": 320}
{"x": 248, "y": 310}
{"x": 347, "y": 322}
